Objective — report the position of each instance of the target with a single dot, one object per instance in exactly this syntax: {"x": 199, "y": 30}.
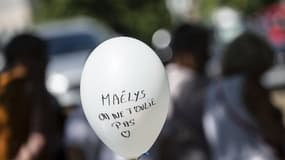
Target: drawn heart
{"x": 126, "y": 134}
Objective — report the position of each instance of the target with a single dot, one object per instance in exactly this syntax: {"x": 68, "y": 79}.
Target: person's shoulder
{"x": 11, "y": 86}
{"x": 214, "y": 101}
{"x": 10, "y": 77}
{"x": 5, "y": 79}
{"x": 212, "y": 90}
{"x": 52, "y": 101}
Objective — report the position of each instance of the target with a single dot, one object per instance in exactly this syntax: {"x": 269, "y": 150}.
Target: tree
{"x": 131, "y": 17}
{"x": 138, "y": 18}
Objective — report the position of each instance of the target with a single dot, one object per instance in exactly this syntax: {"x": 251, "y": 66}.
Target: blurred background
{"x": 73, "y": 28}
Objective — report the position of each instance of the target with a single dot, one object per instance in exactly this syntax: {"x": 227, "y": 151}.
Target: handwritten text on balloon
{"x": 140, "y": 103}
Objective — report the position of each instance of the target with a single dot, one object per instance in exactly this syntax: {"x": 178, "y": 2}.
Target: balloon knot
{"x": 144, "y": 156}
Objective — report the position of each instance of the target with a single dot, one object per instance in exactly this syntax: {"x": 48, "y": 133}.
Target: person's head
{"x": 248, "y": 54}
{"x": 28, "y": 50}
{"x": 190, "y": 45}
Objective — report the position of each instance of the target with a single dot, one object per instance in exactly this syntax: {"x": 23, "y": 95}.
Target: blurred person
{"x": 81, "y": 141}
{"x": 29, "y": 115}
{"x": 183, "y": 137}
{"x": 241, "y": 123}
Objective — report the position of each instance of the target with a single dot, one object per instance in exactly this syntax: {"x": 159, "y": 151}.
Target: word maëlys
{"x": 123, "y": 97}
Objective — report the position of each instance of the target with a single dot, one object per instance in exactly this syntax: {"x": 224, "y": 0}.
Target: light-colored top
{"x": 229, "y": 137}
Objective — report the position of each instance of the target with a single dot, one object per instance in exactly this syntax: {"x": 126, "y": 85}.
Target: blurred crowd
{"x": 224, "y": 106}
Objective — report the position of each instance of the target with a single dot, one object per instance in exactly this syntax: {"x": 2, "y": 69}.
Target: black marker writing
{"x": 124, "y": 124}
{"x": 105, "y": 98}
{"x": 103, "y": 116}
{"x": 126, "y": 134}
{"x": 118, "y": 115}
{"x": 141, "y": 107}
{"x": 123, "y": 97}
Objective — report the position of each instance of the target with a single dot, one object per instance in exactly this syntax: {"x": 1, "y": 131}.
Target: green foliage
{"x": 138, "y": 18}
{"x": 131, "y": 17}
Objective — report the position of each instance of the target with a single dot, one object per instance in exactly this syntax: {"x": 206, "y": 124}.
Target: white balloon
{"x": 125, "y": 95}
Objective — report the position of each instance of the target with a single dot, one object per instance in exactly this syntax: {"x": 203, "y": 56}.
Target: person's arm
{"x": 32, "y": 148}
{"x": 75, "y": 153}
{"x": 18, "y": 71}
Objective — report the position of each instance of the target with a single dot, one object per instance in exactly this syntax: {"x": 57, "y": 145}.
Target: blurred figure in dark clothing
{"x": 240, "y": 120}
{"x": 183, "y": 136}
{"x": 31, "y": 115}
{"x": 81, "y": 141}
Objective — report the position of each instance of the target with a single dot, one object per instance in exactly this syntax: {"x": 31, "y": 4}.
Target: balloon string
{"x": 143, "y": 156}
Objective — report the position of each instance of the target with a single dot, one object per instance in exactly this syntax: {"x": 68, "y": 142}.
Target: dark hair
{"x": 25, "y": 46}
{"x": 247, "y": 54}
{"x": 194, "y": 39}
{"x": 252, "y": 56}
